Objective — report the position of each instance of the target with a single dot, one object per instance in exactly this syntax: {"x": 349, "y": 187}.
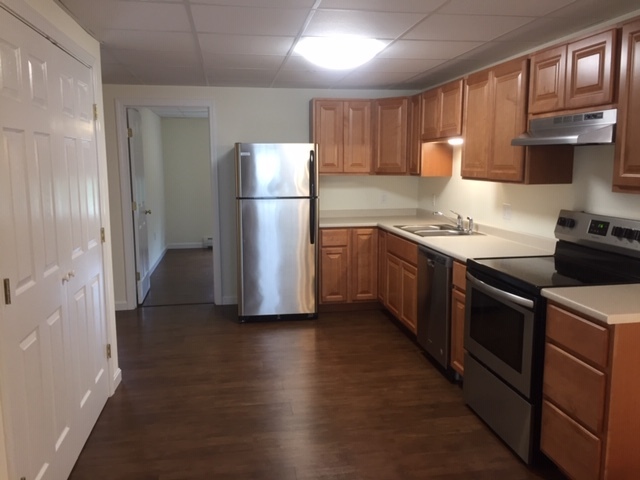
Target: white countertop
{"x": 490, "y": 244}
{"x": 609, "y": 304}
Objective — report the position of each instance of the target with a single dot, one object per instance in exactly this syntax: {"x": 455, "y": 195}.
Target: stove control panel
{"x": 599, "y": 231}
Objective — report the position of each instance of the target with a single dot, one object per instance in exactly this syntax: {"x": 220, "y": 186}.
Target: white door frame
{"x": 121, "y": 105}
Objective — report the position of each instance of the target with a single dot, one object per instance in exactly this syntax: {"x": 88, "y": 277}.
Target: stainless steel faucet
{"x": 457, "y": 221}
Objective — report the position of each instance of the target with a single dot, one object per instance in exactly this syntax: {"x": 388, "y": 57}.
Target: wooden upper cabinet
{"x": 328, "y": 133}
{"x": 357, "y": 136}
{"x": 509, "y": 84}
{"x": 546, "y": 91}
{"x": 495, "y": 113}
{"x": 390, "y": 139}
{"x": 626, "y": 174}
{"x": 342, "y": 130}
{"x": 441, "y": 111}
{"x": 477, "y": 118}
{"x": 414, "y": 142}
{"x": 576, "y": 75}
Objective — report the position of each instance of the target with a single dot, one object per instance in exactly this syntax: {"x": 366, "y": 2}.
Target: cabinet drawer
{"x": 459, "y": 275}
{"x": 334, "y": 237}
{"x": 574, "y": 386}
{"x": 578, "y": 335}
{"x": 571, "y": 447}
{"x": 401, "y": 248}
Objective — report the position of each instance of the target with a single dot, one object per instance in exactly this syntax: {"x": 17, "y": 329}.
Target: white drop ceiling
{"x": 249, "y": 43}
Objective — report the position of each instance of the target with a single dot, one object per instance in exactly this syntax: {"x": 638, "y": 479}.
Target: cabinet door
{"x": 509, "y": 93}
{"x": 414, "y": 145}
{"x": 328, "y": 126}
{"x": 547, "y": 88}
{"x": 391, "y": 119}
{"x": 477, "y": 118}
{"x": 450, "y": 109}
{"x": 457, "y": 330}
{"x": 357, "y": 136}
{"x": 409, "y": 289}
{"x": 394, "y": 285}
{"x": 626, "y": 174}
{"x": 429, "y": 113}
{"x": 382, "y": 267}
{"x": 364, "y": 264}
{"x": 334, "y": 262}
{"x": 590, "y": 71}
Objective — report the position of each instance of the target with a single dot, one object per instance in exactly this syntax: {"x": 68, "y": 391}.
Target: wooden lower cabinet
{"x": 382, "y": 266}
{"x": 348, "y": 265}
{"x": 401, "y": 292}
{"x": 590, "y": 418}
{"x": 458, "y": 298}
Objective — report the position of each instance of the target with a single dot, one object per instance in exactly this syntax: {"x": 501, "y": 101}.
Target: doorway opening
{"x": 185, "y": 220}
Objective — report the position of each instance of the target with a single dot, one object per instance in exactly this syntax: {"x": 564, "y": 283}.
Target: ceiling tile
{"x": 530, "y": 8}
{"x": 465, "y": 27}
{"x": 139, "y": 40}
{"x": 248, "y": 21}
{"x": 258, "y": 3}
{"x": 597, "y": 10}
{"x": 244, "y": 61}
{"x": 168, "y": 75}
{"x": 241, "y": 77}
{"x": 408, "y": 6}
{"x": 119, "y": 75}
{"x": 427, "y": 49}
{"x": 400, "y": 65}
{"x": 118, "y": 14}
{"x": 369, "y": 24}
{"x": 364, "y": 79}
{"x": 310, "y": 79}
{"x": 244, "y": 44}
{"x": 154, "y": 57}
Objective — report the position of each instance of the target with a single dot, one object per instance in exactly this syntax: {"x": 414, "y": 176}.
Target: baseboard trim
{"x": 178, "y": 246}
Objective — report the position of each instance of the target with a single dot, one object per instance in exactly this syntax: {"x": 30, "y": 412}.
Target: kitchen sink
{"x": 435, "y": 230}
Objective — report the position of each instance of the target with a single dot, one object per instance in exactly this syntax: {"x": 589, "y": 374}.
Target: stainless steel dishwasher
{"x": 434, "y": 304}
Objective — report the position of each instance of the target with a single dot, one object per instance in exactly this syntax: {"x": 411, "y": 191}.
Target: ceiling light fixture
{"x": 339, "y": 53}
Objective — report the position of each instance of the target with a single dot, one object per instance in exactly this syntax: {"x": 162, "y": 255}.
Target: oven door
{"x": 499, "y": 332}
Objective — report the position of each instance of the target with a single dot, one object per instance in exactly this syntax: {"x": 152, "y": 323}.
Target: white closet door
{"x": 53, "y": 373}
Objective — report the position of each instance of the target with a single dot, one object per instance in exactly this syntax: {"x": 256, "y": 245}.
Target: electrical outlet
{"x": 506, "y": 211}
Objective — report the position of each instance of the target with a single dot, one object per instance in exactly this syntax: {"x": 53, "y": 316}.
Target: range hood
{"x": 578, "y": 129}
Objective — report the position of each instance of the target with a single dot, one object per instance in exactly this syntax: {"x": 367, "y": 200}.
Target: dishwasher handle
{"x": 500, "y": 294}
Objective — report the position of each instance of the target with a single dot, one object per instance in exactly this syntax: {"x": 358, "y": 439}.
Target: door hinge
{"x": 103, "y": 237}
{"x": 129, "y": 132}
{"x": 134, "y": 206}
{"x": 7, "y": 291}
{"x": 95, "y": 112}
{"x": 137, "y": 276}
{"x": 108, "y": 350}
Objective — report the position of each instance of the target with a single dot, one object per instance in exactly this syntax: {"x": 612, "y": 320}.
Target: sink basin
{"x": 434, "y": 230}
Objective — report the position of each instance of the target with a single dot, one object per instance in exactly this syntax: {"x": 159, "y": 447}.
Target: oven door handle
{"x": 501, "y": 294}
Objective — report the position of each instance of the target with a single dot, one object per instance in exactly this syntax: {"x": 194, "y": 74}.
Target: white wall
{"x": 534, "y": 208}
{"x": 368, "y": 192}
{"x": 187, "y": 171}
{"x": 241, "y": 115}
{"x": 152, "y": 149}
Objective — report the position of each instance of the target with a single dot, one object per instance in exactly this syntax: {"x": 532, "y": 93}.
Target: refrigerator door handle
{"x": 312, "y": 194}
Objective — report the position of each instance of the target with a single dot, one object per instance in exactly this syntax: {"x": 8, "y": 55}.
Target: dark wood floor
{"x": 348, "y": 396}
{"x": 183, "y": 276}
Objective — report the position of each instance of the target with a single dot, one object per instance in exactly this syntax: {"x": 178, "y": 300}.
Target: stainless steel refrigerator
{"x": 277, "y": 222}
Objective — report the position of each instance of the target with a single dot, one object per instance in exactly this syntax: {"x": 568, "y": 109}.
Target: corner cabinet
{"x": 401, "y": 289}
{"x": 590, "y": 418}
{"x": 441, "y": 112}
{"x": 391, "y": 123}
{"x": 626, "y": 174}
{"x": 348, "y": 265}
{"x": 342, "y": 129}
{"x": 458, "y": 300}
{"x": 576, "y": 75}
{"x": 496, "y": 113}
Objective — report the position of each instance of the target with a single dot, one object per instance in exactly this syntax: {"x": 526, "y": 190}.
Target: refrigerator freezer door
{"x": 277, "y": 274}
{"x": 268, "y": 170}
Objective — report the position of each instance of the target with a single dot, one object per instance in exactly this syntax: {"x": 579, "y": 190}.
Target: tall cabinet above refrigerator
{"x": 277, "y": 230}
